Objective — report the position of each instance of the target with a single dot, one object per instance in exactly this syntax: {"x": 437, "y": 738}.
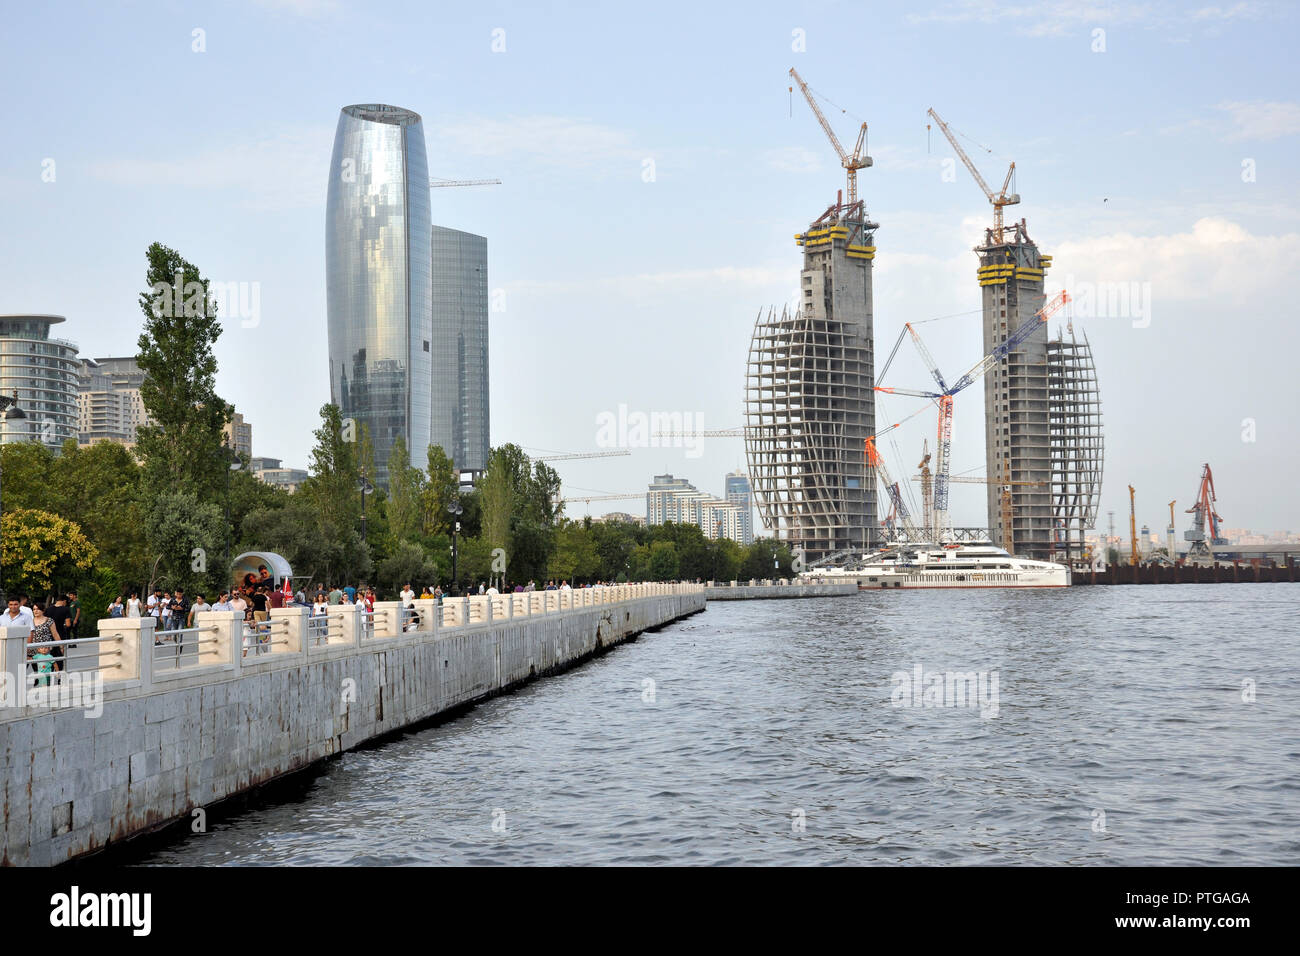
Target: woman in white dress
{"x": 133, "y": 606}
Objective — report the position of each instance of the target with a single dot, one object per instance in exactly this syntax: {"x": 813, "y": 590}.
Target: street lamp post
{"x": 234, "y": 466}
{"x": 455, "y": 510}
{"x": 365, "y": 487}
{"x": 12, "y": 413}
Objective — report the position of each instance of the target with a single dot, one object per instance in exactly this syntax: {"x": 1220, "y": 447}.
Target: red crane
{"x": 1204, "y": 511}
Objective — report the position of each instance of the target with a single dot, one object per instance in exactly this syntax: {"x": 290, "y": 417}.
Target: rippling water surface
{"x": 1120, "y": 706}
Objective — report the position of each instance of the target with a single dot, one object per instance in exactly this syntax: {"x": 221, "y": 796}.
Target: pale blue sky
{"x": 618, "y": 290}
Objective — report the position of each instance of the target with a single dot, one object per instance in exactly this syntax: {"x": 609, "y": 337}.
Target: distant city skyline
{"x": 645, "y": 219}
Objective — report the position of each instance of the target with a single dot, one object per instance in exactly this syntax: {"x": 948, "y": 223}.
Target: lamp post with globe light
{"x": 12, "y": 413}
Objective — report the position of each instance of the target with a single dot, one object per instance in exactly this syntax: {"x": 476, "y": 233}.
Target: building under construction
{"x": 1042, "y": 411}
{"x": 809, "y": 400}
{"x": 809, "y": 403}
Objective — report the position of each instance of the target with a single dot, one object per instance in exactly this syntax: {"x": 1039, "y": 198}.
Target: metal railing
{"x": 130, "y": 649}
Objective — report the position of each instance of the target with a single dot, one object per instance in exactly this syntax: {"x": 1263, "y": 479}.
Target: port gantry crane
{"x": 1205, "y": 514}
{"x": 998, "y": 199}
{"x": 852, "y": 163}
{"x": 942, "y": 518}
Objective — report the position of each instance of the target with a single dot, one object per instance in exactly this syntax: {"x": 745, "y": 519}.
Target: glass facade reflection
{"x": 377, "y": 262}
{"x": 42, "y": 372}
{"x": 460, "y": 347}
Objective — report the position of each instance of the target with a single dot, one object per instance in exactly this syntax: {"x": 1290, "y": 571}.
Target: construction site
{"x": 810, "y": 417}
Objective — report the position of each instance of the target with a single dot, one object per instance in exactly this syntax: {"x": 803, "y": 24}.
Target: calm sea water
{"x": 773, "y": 734}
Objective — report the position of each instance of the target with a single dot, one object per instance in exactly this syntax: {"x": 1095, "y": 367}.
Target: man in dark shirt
{"x": 259, "y": 604}
{"x": 74, "y": 616}
{"x": 60, "y": 615}
{"x": 277, "y": 598}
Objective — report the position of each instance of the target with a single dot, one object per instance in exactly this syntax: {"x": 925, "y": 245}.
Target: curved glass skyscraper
{"x": 377, "y": 275}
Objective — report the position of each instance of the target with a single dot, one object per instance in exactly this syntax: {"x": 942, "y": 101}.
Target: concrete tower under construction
{"x": 1017, "y": 429}
{"x": 809, "y": 399}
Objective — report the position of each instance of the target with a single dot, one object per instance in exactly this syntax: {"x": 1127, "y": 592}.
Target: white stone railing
{"x": 126, "y": 658}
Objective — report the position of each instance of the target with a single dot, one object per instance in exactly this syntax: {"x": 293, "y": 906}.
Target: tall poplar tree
{"x": 181, "y": 450}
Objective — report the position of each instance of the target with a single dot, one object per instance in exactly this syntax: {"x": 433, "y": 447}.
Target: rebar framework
{"x": 1077, "y": 443}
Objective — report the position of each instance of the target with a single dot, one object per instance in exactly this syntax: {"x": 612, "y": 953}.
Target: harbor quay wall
{"x": 759, "y": 590}
{"x": 153, "y": 732}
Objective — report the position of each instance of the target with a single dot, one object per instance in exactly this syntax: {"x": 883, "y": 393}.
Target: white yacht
{"x": 977, "y": 565}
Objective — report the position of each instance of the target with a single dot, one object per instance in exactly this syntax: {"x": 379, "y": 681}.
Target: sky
{"x": 655, "y": 167}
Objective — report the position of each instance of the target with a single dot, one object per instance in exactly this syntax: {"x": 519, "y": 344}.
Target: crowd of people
{"x": 52, "y": 629}
{"x": 55, "y": 624}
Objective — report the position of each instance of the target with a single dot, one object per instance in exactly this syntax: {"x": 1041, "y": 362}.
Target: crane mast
{"x": 851, "y": 163}
{"x": 942, "y": 529}
{"x": 998, "y": 199}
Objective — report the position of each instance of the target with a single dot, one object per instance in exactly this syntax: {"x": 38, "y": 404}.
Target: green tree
{"x": 409, "y": 563}
{"x": 663, "y": 561}
{"x": 42, "y": 551}
{"x": 406, "y": 492}
{"x": 440, "y": 487}
{"x": 181, "y": 449}
{"x": 188, "y": 536}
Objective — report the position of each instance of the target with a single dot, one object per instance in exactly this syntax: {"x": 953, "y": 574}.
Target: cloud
{"x": 553, "y": 140}
{"x": 284, "y": 171}
{"x": 1260, "y": 120}
{"x": 302, "y": 8}
{"x": 1214, "y": 261}
{"x": 793, "y": 159}
{"x": 1064, "y": 17}
{"x": 635, "y": 285}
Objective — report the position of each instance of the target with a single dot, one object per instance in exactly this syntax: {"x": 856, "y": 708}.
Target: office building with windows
{"x": 460, "y": 347}
{"x": 377, "y": 262}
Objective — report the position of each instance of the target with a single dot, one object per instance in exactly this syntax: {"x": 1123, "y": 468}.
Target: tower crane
{"x": 942, "y": 519}
{"x": 1205, "y": 514}
{"x": 998, "y": 199}
{"x": 585, "y": 454}
{"x": 436, "y": 183}
{"x": 852, "y": 163}
{"x": 876, "y": 462}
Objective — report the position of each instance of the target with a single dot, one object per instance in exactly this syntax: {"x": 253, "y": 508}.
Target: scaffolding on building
{"x": 1077, "y": 444}
{"x": 800, "y": 429}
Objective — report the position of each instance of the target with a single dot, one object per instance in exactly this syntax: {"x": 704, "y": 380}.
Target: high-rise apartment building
{"x": 740, "y": 494}
{"x": 239, "y": 435}
{"x": 41, "y": 372}
{"x": 460, "y": 347}
{"x": 679, "y": 501}
{"x": 109, "y": 406}
{"x": 377, "y": 272}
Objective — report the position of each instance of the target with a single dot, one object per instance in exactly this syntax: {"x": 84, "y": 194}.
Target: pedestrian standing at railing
{"x": 117, "y": 608}
{"x": 133, "y": 605}
{"x": 45, "y": 632}
{"x": 260, "y": 604}
{"x": 164, "y": 612}
{"x": 43, "y": 663}
{"x": 321, "y": 606}
{"x": 74, "y": 624}
{"x": 238, "y": 604}
{"x": 199, "y": 607}
{"x": 369, "y": 600}
{"x": 18, "y": 616}
{"x": 276, "y": 598}
{"x": 223, "y": 602}
{"x": 58, "y": 615}
{"x": 408, "y": 596}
